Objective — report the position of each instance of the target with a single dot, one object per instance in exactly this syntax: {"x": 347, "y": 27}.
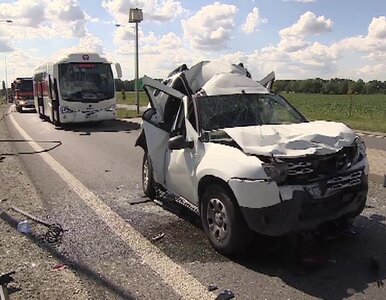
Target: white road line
{"x": 184, "y": 284}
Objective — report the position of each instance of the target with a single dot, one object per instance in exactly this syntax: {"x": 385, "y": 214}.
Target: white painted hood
{"x": 293, "y": 140}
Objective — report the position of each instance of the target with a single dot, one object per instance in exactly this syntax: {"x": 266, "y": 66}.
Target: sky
{"x": 297, "y": 39}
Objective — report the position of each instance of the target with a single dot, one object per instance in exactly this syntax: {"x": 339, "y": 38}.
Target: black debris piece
{"x": 6, "y": 278}
{"x": 2, "y": 158}
{"x": 374, "y": 268}
{"x": 225, "y": 295}
{"x": 212, "y": 287}
{"x": 55, "y": 230}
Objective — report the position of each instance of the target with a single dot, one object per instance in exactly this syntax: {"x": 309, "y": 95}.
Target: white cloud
{"x": 253, "y": 21}
{"x": 308, "y": 24}
{"x": 372, "y": 71}
{"x": 89, "y": 44}
{"x": 153, "y": 10}
{"x": 24, "y": 12}
{"x": 4, "y": 45}
{"x": 301, "y": 1}
{"x": 123, "y": 34}
{"x": 377, "y": 27}
{"x": 159, "y": 55}
{"x": 44, "y": 19}
{"x": 211, "y": 27}
{"x": 292, "y": 44}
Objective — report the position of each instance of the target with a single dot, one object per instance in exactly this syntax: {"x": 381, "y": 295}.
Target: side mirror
{"x": 119, "y": 70}
{"x": 148, "y": 113}
{"x": 179, "y": 142}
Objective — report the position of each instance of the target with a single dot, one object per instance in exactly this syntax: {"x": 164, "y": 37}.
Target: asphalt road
{"x": 104, "y": 192}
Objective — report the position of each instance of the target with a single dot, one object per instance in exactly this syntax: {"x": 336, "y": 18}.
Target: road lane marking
{"x": 184, "y": 284}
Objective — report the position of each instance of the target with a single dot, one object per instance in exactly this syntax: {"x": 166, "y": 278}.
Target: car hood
{"x": 293, "y": 140}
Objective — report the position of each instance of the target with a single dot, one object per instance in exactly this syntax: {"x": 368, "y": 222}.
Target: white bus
{"x": 76, "y": 88}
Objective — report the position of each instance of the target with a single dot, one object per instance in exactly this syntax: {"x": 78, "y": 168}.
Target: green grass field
{"x": 130, "y": 98}
{"x": 368, "y": 112}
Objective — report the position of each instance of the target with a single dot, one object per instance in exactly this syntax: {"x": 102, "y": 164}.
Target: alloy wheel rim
{"x": 217, "y": 219}
{"x": 145, "y": 174}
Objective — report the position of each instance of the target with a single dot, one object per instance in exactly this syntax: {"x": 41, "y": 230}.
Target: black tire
{"x": 148, "y": 183}
{"x": 19, "y": 108}
{"x": 222, "y": 220}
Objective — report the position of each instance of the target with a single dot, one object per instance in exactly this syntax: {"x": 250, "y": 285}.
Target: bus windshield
{"x": 23, "y": 85}
{"x": 86, "y": 82}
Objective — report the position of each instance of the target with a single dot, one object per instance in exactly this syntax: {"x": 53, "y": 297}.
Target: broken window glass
{"x": 226, "y": 111}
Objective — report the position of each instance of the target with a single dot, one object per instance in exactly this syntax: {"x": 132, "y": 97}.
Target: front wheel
{"x": 222, "y": 221}
{"x": 148, "y": 183}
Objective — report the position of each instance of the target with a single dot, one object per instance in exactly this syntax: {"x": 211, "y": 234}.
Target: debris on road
{"x": 212, "y": 287}
{"x": 59, "y": 267}
{"x": 384, "y": 180}
{"x": 4, "y": 280}
{"x": 3, "y": 200}
{"x": 158, "y": 237}
{"x": 374, "y": 268}
{"x": 225, "y": 295}
{"x": 55, "y": 231}
{"x": 24, "y": 227}
{"x": 2, "y": 158}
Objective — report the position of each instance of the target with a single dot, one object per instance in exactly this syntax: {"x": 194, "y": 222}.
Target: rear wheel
{"x": 222, "y": 221}
{"x": 148, "y": 183}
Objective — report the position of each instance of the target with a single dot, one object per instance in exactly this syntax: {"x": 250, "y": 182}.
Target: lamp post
{"x": 5, "y": 63}
{"x": 136, "y": 16}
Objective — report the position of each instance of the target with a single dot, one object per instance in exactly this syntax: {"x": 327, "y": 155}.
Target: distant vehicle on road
{"x": 76, "y": 88}
{"x": 22, "y": 93}
{"x": 244, "y": 159}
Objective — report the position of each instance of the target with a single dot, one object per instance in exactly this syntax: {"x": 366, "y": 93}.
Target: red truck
{"x": 22, "y": 90}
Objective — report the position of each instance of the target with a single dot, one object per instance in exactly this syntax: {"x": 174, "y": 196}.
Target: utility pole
{"x": 136, "y": 16}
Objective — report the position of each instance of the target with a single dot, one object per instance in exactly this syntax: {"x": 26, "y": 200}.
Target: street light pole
{"x": 5, "y": 63}
{"x": 136, "y": 16}
{"x": 136, "y": 68}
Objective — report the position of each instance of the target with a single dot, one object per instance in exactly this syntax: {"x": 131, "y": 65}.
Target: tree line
{"x": 311, "y": 86}
{"x": 332, "y": 86}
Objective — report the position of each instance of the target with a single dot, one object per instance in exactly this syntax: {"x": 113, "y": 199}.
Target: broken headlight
{"x": 276, "y": 171}
{"x": 112, "y": 107}
{"x": 360, "y": 150}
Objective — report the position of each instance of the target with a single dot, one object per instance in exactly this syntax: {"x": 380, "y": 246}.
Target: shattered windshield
{"x": 226, "y": 111}
{"x": 86, "y": 82}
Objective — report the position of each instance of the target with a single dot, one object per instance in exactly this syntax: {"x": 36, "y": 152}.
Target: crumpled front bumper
{"x": 270, "y": 211}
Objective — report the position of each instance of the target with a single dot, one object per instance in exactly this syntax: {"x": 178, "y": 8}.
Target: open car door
{"x": 158, "y": 121}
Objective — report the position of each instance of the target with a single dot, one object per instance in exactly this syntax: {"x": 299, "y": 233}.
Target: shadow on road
{"x": 334, "y": 266}
{"x": 104, "y": 126}
{"x": 79, "y": 267}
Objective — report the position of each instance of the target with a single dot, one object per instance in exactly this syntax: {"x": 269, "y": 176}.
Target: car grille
{"x": 317, "y": 167}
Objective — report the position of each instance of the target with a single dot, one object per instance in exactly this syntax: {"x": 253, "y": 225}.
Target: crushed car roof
{"x": 219, "y": 78}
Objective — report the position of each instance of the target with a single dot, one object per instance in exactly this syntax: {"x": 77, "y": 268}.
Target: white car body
{"x": 249, "y": 159}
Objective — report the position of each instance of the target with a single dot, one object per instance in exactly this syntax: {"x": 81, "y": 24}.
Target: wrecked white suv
{"x": 244, "y": 159}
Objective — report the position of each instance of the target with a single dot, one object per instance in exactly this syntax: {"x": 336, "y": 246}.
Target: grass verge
{"x": 123, "y": 113}
{"x": 130, "y": 98}
{"x": 360, "y": 112}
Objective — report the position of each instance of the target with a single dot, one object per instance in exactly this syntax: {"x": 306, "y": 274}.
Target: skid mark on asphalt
{"x": 184, "y": 284}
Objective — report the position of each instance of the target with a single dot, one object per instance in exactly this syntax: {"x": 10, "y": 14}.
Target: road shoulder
{"x": 39, "y": 269}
